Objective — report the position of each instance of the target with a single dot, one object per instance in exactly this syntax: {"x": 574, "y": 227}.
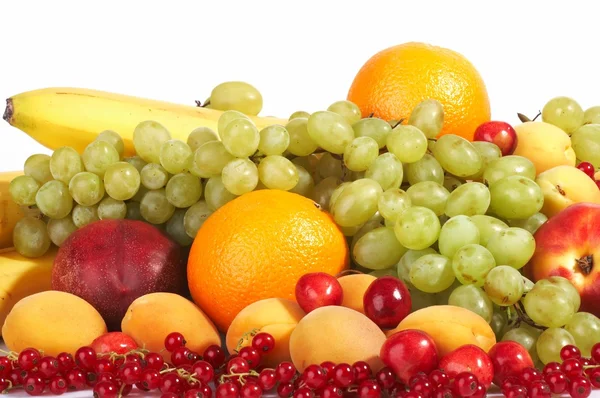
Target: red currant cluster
{"x": 589, "y": 169}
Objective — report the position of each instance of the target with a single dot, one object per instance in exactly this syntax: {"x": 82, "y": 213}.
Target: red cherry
{"x": 587, "y": 168}
{"x": 500, "y": 133}
{"x": 116, "y": 342}
{"x": 318, "y": 289}
{"x": 387, "y": 301}
{"x": 598, "y": 183}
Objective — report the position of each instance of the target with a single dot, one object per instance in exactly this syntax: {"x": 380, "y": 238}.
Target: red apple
{"x": 318, "y": 289}
{"x": 116, "y": 342}
{"x": 472, "y": 359}
{"x": 387, "y": 302}
{"x": 409, "y": 352}
{"x": 509, "y": 359}
{"x": 500, "y": 133}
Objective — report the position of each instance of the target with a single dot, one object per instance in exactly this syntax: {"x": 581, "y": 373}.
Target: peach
{"x": 337, "y": 334}
{"x": 354, "y": 287}
{"x": 275, "y": 316}
{"x": 450, "y": 327}
{"x": 150, "y": 318}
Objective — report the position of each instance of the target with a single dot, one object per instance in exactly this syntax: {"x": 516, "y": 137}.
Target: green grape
{"x": 471, "y": 264}
{"x": 240, "y": 176}
{"x": 323, "y": 191}
{"x": 585, "y": 329}
{"x": 516, "y": 197}
{"x": 121, "y": 181}
{"x": 210, "y": 159}
{"x": 469, "y": 199}
{"x": 215, "y": 193}
{"x": 420, "y": 299}
{"x": 38, "y": 167}
{"x": 357, "y": 203}
{"x": 457, "y": 155}
{"x": 550, "y": 342}
{"x": 98, "y": 155}
{"x": 526, "y": 336}
{"x": 300, "y": 142}
{"x": 530, "y": 224}
{"x": 586, "y": 144}
{"x": 195, "y": 216}
{"x": 347, "y": 109}
{"x": 488, "y": 152}
{"x": 504, "y": 285}
{"x": 488, "y": 226}
{"x": 305, "y": 185}
{"x": 140, "y": 194}
{"x": 408, "y": 259}
{"x": 592, "y": 115}
{"x": 417, "y": 228}
{"x": 239, "y": 96}
{"x": 277, "y": 172}
{"x": 512, "y": 246}
{"x": 183, "y": 190}
{"x": 84, "y": 215}
{"x": 299, "y": 114}
{"x": 457, "y": 232}
{"x": 148, "y": 137}
{"x": 200, "y": 136}
{"x": 571, "y": 293}
{"x": 30, "y": 237}
{"x": 54, "y": 200}
{"x": 228, "y": 117}
{"x": 429, "y": 194}
{"x": 60, "y": 229}
{"x": 387, "y": 170}
{"x": 175, "y": 156}
{"x": 136, "y": 162}
{"x": 408, "y": 143}
{"x": 133, "y": 211}
{"x": 330, "y": 131}
{"x": 428, "y": 116}
{"x": 361, "y": 153}
{"x": 378, "y": 249}
{"x": 473, "y": 299}
{"x": 363, "y": 229}
{"x": 23, "y": 189}
{"x": 378, "y": 273}
{"x": 392, "y": 203}
{"x": 156, "y": 208}
{"x": 451, "y": 182}
{"x": 176, "y": 230}
{"x": 65, "y": 163}
{"x": 564, "y": 113}
{"x": 329, "y": 166}
{"x": 112, "y": 209}
{"x": 241, "y": 138}
{"x": 113, "y": 139}
{"x": 375, "y": 128}
{"x": 432, "y": 273}
{"x": 87, "y": 189}
{"x": 274, "y": 140}
{"x": 154, "y": 176}
{"x": 508, "y": 166}
{"x": 425, "y": 169}
{"x": 310, "y": 162}
{"x": 498, "y": 324}
{"x": 548, "y": 305}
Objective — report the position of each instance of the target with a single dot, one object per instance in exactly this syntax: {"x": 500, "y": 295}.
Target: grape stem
{"x": 522, "y": 317}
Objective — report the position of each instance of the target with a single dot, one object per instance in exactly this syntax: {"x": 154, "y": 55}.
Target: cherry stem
{"x": 245, "y": 337}
{"x": 520, "y": 310}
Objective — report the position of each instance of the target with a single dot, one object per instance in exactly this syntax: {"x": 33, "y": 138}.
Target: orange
{"x": 392, "y": 82}
{"x": 256, "y": 247}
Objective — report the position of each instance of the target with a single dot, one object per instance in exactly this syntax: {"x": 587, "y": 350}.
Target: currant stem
{"x": 241, "y": 376}
{"x": 246, "y": 336}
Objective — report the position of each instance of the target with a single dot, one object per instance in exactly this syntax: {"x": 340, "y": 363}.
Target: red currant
{"x": 362, "y": 371}
{"x": 465, "y": 384}
{"x": 580, "y": 387}
{"x": 250, "y": 355}
{"x": 171, "y": 382}
{"x": 227, "y": 390}
{"x": 330, "y": 391}
{"x": 76, "y": 379}
{"x": 267, "y": 379}
{"x": 15, "y": 376}
{"x": 328, "y": 367}
{"x": 58, "y": 385}
{"x": 442, "y": 392}
{"x": 173, "y": 341}
{"x": 419, "y": 376}
{"x": 34, "y": 384}
{"x": 571, "y": 367}
{"x": 529, "y": 375}
{"x": 594, "y": 376}
{"x": 570, "y": 351}
{"x": 104, "y": 365}
{"x": 551, "y": 367}
{"x": 85, "y": 358}
{"x": 539, "y": 389}
{"x": 29, "y": 359}
{"x": 439, "y": 378}
{"x": 509, "y": 382}
{"x": 369, "y": 389}
{"x": 587, "y": 168}
{"x": 423, "y": 387}
{"x": 65, "y": 362}
{"x": 314, "y": 377}
{"x": 48, "y": 366}
{"x": 195, "y": 393}
{"x": 4, "y": 385}
{"x": 480, "y": 392}
{"x": 585, "y": 362}
{"x": 285, "y": 371}
{"x": 91, "y": 378}
{"x": 597, "y": 183}
{"x": 169, "y": 395}
{"x": 516, "y": 392}
{"x": 106, "y": 377}
{"x": 203, "y": 371}
{"x": 386, "y": 378}
{"x": 204, "y": 391}
{"x": 214, "y": 355}
{"x": 150, "y": 379}
{"x": 285, "y": 390}
{"x": 237, "y": 365}
{"x": 596, "y": 353}
{"x": 251, "y": 390}
{"x": 154, "y": 361}
{"x": 181, "y": 356}
{"x": 106, "y": 389}
{"x": 5, "y": 366}
{"x": 304, "y": 392}
{"x": 411, "y": 394}
{"x": 263, "y": 342}
{"x": 557, "y": 381}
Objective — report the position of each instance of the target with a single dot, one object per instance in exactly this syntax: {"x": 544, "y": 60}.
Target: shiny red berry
{"x": 85, "y": 358}
{"x": 29, "y": 359}
{"x": 173, "y": 341}
{"x": 214, "y": 355}
{"x": 263, "y": 343}
{"x": 285, "y": 371}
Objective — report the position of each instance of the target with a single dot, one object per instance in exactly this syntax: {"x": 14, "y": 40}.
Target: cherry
{"x": 58, "y": 385}
{"x": 237, "y": 365}
{"x": 251, "y": 390}
{"x": 5, "y": 366}
{"x": 500, "y": 133}
{"x": 285, "y": 371}
{"x": 529, "y": 375}
{"x": 569, "y": 351}
{"x": 314, "y": 377}
{"x": 539, "y": 389}
{"x": 34, "y": 384}
{"x": 227, "y": 390}
{"x": 331, "y": 391}
{"x": 263, "y": 343}
{"x": 386, "y": 378}
{"x": 369, "y": 389}
{"x": 571, "y": 367}
{"x": 250, "y": 355}
{"x": 29, "y": 359}
{"x": 387, "y": 301}
{"x": 171, "y": 382}
{"x": 551, "y": 367}
{"x": 76, "y": 379}
{"x": 439, "y": 378}
{"x": 580, "y": 387}
{"x": 85, "y": 358}
{"x": 304, "y": 392}
{"x": 362, "y": 370}
{"x": 154, "y": 361}
{"x": 465, "y": 384}
{"x": 557, "y": 382}
{"x": 343, "y": 375}
{"x": 516, "y": 392}
{"x": 267, "y": 379}
{"x": 587, "y": 168}
{"x": 328, "y": 367}
{"x": 49, "y": 366}
{"x": 285, "y": 390}
{"x": 214, "y": 355}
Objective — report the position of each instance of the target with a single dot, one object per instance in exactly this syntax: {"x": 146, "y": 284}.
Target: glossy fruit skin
{"x": 117, "y": 342}
{"x": 509, "y": 359}
{"x": 318, "y": 289}
{"x": 409, "y": 352}
{"x": 469, "y": 358}
{"x": 500, "y": 133}
{"x": 387, "y": 302}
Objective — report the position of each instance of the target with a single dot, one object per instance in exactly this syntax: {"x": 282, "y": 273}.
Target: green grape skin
{"x": 84, "y": 215}
{"x": 387, "y": 170}
{"x": 550, "y": 342}
{"x": 277, "y": 172}
{"x": 488, "y": 152}
{"x": 176, "y": 230}
{"x": 195, "y": 216}
{"x": 299, "y": 114}
{"x": 241, "y": 138}
{"x": 323, "y": 191}
{"x": 23, "y": 189}
{"x": 516, "y": 197}
{"x": 451, "y": 182}
{"x": 512, "y": 246}
{"x": 457, "y": 232}
{"x": 140, "y": 194}
{"x": 175, "y": 156}
{"x": 210, "y": 159}
{"x": 183, "y": 190}
{"x": 362, "y": 230}
{"x": 571, "y": 292}
{"x": 155, "y": 207}
{"x": 112, "y": 209}
{"x": 148, "y": 137}
{"x": 65, "y": 163}
{"x": 429, "y": 194}
{"x": 428, "y": 116}
{"x": 378, "y": 273}
{"x": 417, "y": 228}
{"x": 239, "y": 96}
{"x": 504, "y": 285}
{"x": 457, "y": 155}
{"x": 498, "y": 324}
{"x": 361, "y": 153}
{"x": 585, "y": 329}
{"x": 592, "y": 115}
{"x": 306, "y": 184}
{"x": 488, "y": 226}
{"x": 531, "y": 224}
{"x": 432, "y": 273}
{"x": 408, "y": 259}
{"x": 309, "y": 163}
{"x": 357, "y": 203}
{"x": 563, "y": 112}
{"x": 121, "y": 181}
{"x": 154, "y": 176}
{"x": 471, "y": 264}
{"x": 378, "y": 249}
{"x": 98, "y": 155}
{"x": 240, "y": 176}
{"x": 420, "y": 299}
{"x": 86, "y": 188}
{"x": 113, "y": 139}
{"x": 526, "y": 336}
{"x": 60, "y": 229}
{"x": 200, "y": 136}
{"x": 473, "y": 299}
{"x": 228, "y": 117}
{"x": 136, "y": 162}
{"x": 215, "y": 193}
{"x": 425, "y": 169}
{"x": 408, "y": 143}
{"x": 30, "y": 237}
{"x": 586, "y": 143}
{"x": 301, "y": 144}
{"x": 346, "y": 109}
{"x": 511, "y": 165}
{"x": 54, "y": 200}
{"x": 330, "y": 131}
{"x": 392, "y": 203}
{"x": 548, "y": 305}
{"x": 329, "y": 166}
{"x": 469, "y": 199}
{"x": 274, "y": 140}
{"x": 38, "y": 167}
{"x": 133, "y": 211}
{"x": 375, "y": 128}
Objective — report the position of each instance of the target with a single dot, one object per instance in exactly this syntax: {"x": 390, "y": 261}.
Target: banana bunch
{"x": 57, "y": 117}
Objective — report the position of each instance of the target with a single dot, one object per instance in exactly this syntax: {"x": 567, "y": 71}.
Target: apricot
{"x": 275, "y": 316}
{"x": 150, "y": 318}
{"x": 354, "y": 287}
{"x": 52, "y": 321}
{"x": 450, "y": 327}
{"x": 337, "y": 334}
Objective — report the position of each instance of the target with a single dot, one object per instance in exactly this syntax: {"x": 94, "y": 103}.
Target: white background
{"x": 302, "y": 55}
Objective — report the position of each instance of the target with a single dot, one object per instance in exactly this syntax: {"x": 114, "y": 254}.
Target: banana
{"x": 57, "y": 117}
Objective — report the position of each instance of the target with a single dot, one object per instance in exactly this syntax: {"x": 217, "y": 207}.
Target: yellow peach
{"x": 354, "y": 287}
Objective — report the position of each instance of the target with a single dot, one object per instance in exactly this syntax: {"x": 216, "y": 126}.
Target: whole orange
{"x": 257, "y": 246}
{"x": 392, "y": 82}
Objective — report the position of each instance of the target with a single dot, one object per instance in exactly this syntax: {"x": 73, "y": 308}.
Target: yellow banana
{"x": 57, "y": 117}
